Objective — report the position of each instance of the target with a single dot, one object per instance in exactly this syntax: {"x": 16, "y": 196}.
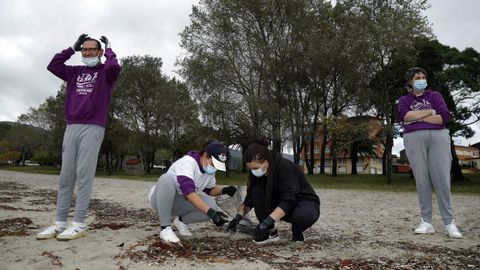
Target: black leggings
{"x": 302, "y": 216}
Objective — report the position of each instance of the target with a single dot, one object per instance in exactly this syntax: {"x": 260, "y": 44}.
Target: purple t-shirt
{"x": 429, "y": 100}
{"x": 88, "y": 89}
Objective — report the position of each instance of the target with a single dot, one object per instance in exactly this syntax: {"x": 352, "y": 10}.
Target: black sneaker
{"x": 272, "y": 237}
{"x": 297, "y": 237}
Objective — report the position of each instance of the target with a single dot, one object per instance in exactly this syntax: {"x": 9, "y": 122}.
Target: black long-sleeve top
{"x": 289, "y": 185}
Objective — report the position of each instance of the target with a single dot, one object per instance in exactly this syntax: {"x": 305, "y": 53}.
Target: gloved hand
{"x": 78, "y": 44}
{"x": 234, "y": 223}
{"x": 107, "y": 42}
{"x": 230, "y": 190}
{"x": 219, "y": 218}
{"x": 262, "y": 230}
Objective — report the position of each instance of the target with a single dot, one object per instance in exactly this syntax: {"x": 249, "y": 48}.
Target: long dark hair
{"x": 258, "y": 151}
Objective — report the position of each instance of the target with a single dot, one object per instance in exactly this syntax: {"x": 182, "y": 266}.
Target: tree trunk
{"x": 457, "y": 175}
{"x": 147, "y": 160}
{"x": 312, "y": 154}
{"x": 388, "y": 159}
{"x": 227, "y": 164}
{"x": 322, "y": 149}
{"x": 334, "y": 156}
{"x": 307, "y": 162}
{"x": 388, "y": 148}
{"x": 109, "y": 157}
{"x": 297, "y": 148}
{"x": 277, "y": 140}
{"x": 354, "y": 157}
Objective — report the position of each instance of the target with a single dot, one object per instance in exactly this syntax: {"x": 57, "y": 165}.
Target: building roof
{"x": 133, "y": 161}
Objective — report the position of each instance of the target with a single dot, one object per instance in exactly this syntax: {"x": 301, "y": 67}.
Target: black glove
{"x": 105, "y": 40}
{"x": 230, "y": 190}
{"x": 219, "y": 218}
{"x": 234, "y": 223}
{"x": 262, "y": 230}
{"x": 78, "y": 44}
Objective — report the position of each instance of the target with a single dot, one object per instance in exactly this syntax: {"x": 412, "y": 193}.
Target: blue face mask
{"x": 90, "y": 61}
{"x": 420, "y": 85}
{"x": 209, "y": 169}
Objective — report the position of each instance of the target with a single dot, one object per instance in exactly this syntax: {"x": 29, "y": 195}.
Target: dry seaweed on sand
{"x": 115, "y": 216}
{"x": 15, "y": 226}
{"x": 287, "y": 255}
{"x": 54, "y": 259}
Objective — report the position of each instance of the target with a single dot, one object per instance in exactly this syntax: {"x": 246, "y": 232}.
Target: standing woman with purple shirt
{"x": 186, "y": 191}
{"x": 427, "y": 144}
{"x": 89, "y": 89}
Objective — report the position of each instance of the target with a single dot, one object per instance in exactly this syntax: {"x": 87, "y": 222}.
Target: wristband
{"x": 269, "y": 221}
{"x": 211, "y": 213}
{"x": 434, "y": 112}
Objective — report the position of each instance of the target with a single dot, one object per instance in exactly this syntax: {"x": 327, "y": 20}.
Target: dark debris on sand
{"x": 12, "y": 186}
{"x": 286, "y": 255}
{"x": 115, "y": 216}
{"x": 279, "y": 255}
{"x": 42, "y": 197}
{"x": 107, "y": 215}
{"x": 11, "y": 191}
{"x": 15, "y": 226}
{"x": 54, "y": 259}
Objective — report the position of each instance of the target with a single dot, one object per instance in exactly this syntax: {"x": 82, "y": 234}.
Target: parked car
{"x": 31, "y": 163}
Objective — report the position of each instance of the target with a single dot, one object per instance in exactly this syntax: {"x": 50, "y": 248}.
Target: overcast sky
{"x": 33, "y": 31}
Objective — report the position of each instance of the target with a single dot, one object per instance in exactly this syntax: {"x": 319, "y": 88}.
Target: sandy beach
{"x": 356, "y": 230}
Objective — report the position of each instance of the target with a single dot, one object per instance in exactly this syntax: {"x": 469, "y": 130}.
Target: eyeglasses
{"x": 90, "y": 50}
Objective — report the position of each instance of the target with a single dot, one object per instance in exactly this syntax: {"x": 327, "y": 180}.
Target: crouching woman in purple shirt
{"x": 185, "y": 191}
{"x": 427, "y": 144}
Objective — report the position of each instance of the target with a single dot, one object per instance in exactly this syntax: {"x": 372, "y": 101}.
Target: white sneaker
{"x": 74, "y": 231}
{"x": 168, "y": 236}
{"x": 52, "y": 230}
{"x": 452, "y": 230}
{"x": 182, "y": 227}
{"x": 424, "y": 227}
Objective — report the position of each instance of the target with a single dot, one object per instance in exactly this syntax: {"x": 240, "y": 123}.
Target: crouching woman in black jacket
{"x": 277, "y": 190}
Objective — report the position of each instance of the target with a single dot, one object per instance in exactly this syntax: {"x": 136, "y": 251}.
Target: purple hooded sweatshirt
{"x": 429, "y": 100}
{"x": 88, "y": 89}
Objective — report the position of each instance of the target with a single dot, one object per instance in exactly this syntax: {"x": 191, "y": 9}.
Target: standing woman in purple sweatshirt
{"x": 427, "y": 144}
{"x": 89, "y": 89}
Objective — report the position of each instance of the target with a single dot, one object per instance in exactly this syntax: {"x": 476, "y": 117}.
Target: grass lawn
{"x": 401, "y": 182}
{"x": 100, "y": 173}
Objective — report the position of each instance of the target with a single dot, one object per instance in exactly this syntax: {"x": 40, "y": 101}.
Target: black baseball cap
{"x": 218, "y": 152}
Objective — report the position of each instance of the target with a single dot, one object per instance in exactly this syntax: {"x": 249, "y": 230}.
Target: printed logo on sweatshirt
{"x": 85, "y": 83}
{"x": 420, "y": 105}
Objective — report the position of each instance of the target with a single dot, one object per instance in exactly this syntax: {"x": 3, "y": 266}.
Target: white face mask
{"x": 258, "y": 172}
{"x": 90, "y": 61}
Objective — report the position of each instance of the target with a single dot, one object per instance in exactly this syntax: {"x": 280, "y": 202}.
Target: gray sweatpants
{"x": 168, "y": 202}
{"x": 428, "y": 152}
{"x": 81, "y": 144}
